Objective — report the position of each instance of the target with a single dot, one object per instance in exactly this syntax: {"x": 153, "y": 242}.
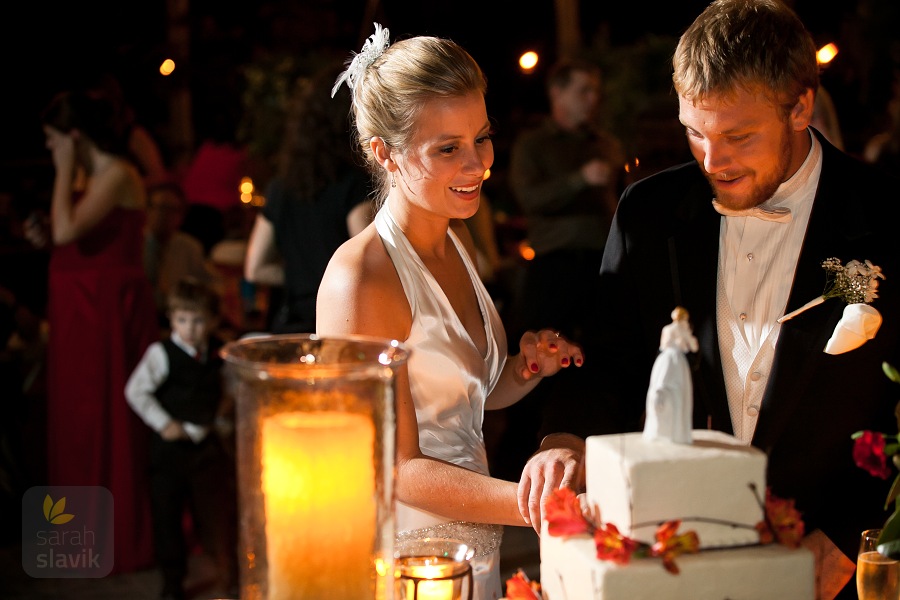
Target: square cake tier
{"x": 570, "y": 570}
{"x": 708, "y": 485}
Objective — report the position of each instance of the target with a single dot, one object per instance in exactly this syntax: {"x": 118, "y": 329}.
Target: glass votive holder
{"x": 433, "y": 569}
{"x": 315, "y": 458}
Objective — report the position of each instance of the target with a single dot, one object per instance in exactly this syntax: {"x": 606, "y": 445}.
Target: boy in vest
{"x": 177, "y": 390}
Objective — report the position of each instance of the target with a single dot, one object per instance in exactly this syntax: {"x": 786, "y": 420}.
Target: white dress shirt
{"x": 140, "y": 390}
{"x": 757, "y": 261}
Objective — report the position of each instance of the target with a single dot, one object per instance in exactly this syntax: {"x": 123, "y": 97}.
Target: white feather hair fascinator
{"x": 374, "y": 47}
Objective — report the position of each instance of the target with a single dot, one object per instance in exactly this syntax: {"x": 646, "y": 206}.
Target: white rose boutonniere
{"x": 856, "y": 283}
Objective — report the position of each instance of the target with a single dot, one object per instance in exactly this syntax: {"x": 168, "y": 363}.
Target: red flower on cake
{"x": 612, "y": 545}
{"x": 565, "y": 517}
{"x": 564, "y": 514}
{"x": 782, "y": 522}
{"x": 519, "y": 587}
{"x": 868, "y": 454}
{"x": 668, "y": 545}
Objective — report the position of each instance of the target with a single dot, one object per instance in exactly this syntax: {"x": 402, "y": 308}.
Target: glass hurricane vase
{"x": 315, "y": 448}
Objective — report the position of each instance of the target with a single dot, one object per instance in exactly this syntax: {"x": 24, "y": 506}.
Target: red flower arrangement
{"x": 870, "y": 452}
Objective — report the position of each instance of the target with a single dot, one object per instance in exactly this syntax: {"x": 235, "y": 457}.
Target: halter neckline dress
{"x": 450, "y": 380}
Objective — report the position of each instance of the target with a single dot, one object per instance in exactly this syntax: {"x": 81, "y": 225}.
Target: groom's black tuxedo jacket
{"x": 662, "y": 252}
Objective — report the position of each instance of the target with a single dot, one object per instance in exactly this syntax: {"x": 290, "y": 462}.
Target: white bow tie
{"x": 778, "y": 214}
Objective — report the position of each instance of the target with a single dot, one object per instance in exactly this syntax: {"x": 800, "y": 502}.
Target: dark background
{"x": 49, "y": 46}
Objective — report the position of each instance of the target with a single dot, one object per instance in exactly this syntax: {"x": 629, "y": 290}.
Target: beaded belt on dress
{"x": 485, "y": 538}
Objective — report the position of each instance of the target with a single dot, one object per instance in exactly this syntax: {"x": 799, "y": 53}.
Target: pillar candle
{"x": 318, "y": 479}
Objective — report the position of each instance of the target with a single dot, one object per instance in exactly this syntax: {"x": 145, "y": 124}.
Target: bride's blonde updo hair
{"x": 390, "y": 87}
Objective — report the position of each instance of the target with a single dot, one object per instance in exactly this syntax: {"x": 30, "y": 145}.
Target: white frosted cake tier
{"x": 570, "y": 570}
{"x": 638, "y": 485}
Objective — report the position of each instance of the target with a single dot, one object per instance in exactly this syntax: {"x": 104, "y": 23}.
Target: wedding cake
{"x": 639, "y": 484}
{"x": 707, "y": 483}
{"x": 715, "y": 486}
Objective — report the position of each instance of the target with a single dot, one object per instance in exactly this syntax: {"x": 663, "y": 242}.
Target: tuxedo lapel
{"x": 697, "y": 260}
{"x": 831, "y": 232}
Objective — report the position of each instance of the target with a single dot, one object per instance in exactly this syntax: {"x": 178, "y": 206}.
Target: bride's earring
{"x": 393, "y": 180}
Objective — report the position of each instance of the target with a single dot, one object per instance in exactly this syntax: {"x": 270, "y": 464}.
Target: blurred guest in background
{"x": 481, "y": 226}
{"x": 566, "y": 175}
{"x": 143, "y": 148}
{"x": 177, "y": 390}
{"x": 883, "y": 148}
{"x": 101, "y": 314}
{"x": 319, "y": 198}
{"x": 212, "y": 179}
{"x": 825, "y": 118}
{"x": 169, "y": 253}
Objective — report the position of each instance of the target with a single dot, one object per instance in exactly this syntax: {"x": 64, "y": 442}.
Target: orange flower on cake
{"x": 519, "y": 587}
{"x": 782, "y": 523}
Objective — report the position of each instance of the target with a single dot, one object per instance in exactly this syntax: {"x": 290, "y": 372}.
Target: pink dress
{"x": 101, "y": 316}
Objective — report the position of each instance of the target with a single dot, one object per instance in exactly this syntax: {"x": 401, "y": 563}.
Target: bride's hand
{"x": 544, "y": 353}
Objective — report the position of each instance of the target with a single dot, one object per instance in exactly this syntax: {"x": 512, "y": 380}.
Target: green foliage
{"x": 637, "y": 80}
{"x": 639, "y": 104}
{"x": 269, "y": 82}
{"x": 891, "y": 372}
{"x": 889, "y": 541}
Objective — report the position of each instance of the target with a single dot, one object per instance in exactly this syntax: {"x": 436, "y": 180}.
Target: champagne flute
{"x": 877, "y": 576}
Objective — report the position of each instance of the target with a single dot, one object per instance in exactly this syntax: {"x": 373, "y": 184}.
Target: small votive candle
{"x": 435, "y": 575}
{"x": 432, "y": 580}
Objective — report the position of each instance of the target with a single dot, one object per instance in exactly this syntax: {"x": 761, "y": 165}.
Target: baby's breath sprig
{"x": 854, "y": 283}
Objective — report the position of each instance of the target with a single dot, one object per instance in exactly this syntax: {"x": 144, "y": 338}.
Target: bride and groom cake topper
{"x": 670, "y": 396}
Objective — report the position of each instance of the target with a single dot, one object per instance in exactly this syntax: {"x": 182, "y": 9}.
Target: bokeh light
{"x": 167, "y": 67}
{"x": 528, "y": 61}
{"x": 826, "y": 53}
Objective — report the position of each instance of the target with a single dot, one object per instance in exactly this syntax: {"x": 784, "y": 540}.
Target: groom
{"x": 746, "y": 77}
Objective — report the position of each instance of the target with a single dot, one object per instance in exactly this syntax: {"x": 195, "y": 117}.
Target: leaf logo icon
{"x": 53, "y": 511}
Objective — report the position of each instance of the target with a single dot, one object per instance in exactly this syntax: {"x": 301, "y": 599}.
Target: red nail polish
{"x": 564, "y": 362}
{"x": 553, "y": 346}
{"x": 534, "y": 367}
{"x": 577, "y": 362}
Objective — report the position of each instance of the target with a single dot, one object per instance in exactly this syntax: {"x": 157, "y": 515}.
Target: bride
{"x": 422, "y": 124}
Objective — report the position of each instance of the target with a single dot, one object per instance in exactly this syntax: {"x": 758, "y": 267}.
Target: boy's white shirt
{"x": 140, "y": 390}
